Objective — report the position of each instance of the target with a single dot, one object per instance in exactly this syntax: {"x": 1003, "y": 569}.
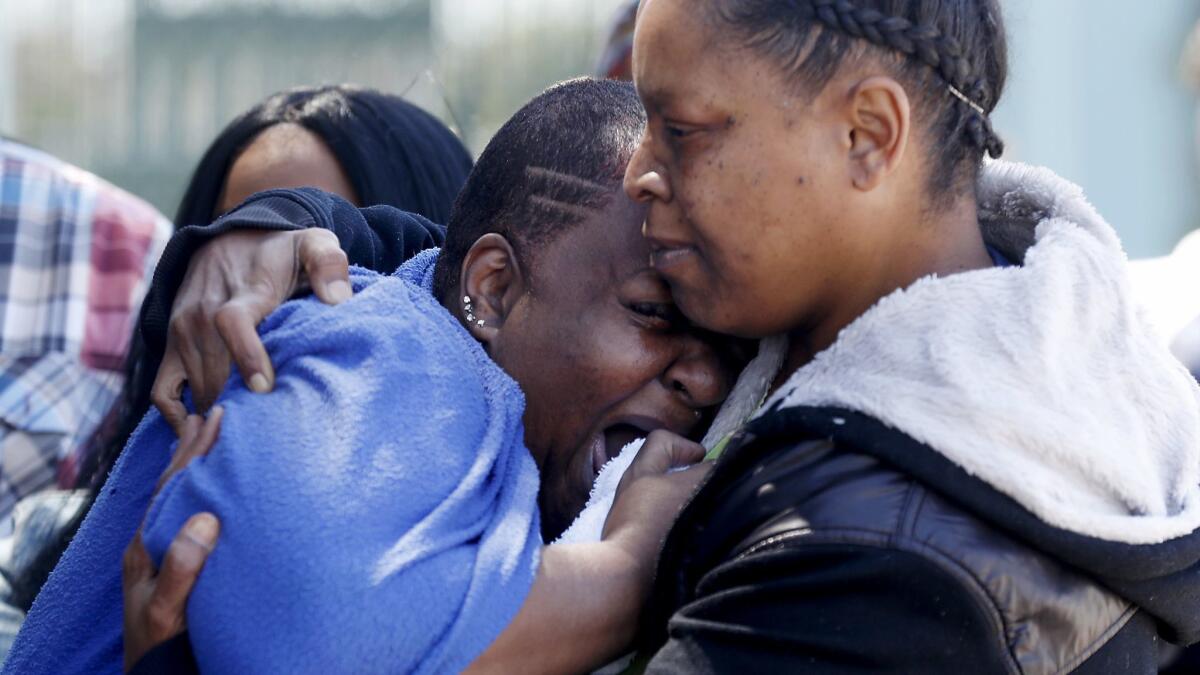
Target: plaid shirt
{"x": 75, "y": 257}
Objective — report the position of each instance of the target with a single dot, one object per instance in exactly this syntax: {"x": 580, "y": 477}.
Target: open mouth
{"x": 612, "y": 440}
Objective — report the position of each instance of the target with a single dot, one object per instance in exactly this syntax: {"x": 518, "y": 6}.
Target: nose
{"x": 644, "y": 179}
{"x": 698, "y": 376}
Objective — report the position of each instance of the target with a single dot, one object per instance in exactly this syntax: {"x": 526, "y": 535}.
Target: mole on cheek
{"x": 800, "y": 180}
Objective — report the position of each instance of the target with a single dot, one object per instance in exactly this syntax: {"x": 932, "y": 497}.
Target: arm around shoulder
{"x": 378, "y": 238}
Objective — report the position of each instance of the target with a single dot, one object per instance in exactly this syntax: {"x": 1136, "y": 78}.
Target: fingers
{"x": 191, "y": 428}
{"x": 167, "y": 392}
{"x": 664, "y": 451}
{"x": 326, "y": 265}
{"x": 189, "y": 343}
{"x": 207, "y": 434}
{"x": 181, "y": 566}
{"x": 692, "y": 475}
{"x": 207, "y": 374}
{"x": 650, "y": 494}
{"x": 197, "y": 438}
{"x": 136, "y": 565}
{"x": 234, "y": 284}
{"x": 237, "y": 323}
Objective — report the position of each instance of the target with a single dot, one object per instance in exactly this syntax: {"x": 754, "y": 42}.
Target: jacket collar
{"x": 1044, "y": 380}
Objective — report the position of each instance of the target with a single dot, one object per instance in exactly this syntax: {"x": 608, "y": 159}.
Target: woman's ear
{"x": 493, "y": 282}
{"x": 880, "y": 117}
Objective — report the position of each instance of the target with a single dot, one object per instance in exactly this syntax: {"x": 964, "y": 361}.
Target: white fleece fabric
{"x": 589, "y": 524}
{"x": 749, "y": 392}
{"x": 1045, "y": 380}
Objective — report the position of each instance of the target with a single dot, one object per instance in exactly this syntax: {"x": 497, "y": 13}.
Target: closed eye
{"x": 663, "y": 315}
{"x": 678, "y": 132}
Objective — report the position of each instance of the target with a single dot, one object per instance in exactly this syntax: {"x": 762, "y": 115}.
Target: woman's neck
{"x": 947, "y": 243}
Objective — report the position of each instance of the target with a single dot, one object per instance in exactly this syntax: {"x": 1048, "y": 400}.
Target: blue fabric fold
{"x": 378, "y": 508}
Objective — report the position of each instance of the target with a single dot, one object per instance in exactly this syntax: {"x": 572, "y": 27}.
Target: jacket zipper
{"x": 772, "y": 541}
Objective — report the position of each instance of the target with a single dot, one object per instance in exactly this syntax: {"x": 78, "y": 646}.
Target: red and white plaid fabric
{"x": 76, "y": 255}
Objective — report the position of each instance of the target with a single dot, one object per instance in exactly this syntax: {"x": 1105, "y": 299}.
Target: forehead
{"x": 285, "y": 146}
{"x": 284, "y": 155}
{"x": 675, "y": 58}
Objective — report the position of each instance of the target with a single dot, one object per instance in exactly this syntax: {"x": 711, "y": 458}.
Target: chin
{"x": 706, "y": 304}
{"x": 697, "y": 304}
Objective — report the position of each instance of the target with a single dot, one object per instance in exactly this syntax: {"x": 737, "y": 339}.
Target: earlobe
{"x": 490, "y": 283}
{"x": 880, "y": 116}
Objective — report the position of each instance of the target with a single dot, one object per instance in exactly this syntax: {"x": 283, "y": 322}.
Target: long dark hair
{"x": 392, "y": 152}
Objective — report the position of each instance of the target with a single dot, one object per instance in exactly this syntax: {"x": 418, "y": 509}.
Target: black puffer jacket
{"x": 815, "y": 548}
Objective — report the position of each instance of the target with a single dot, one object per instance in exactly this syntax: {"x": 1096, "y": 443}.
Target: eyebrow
{"x": 655, "y": 97}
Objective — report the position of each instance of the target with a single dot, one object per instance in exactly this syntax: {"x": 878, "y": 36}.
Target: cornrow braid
{"x": 558, "y": 160}
{"x": 927, "y": 44}
{"x": 960, "y": 42}
{"x": 938, "y": 51}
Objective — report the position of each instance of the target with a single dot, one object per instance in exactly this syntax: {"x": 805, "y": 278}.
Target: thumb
{"x": 664, "y": 451}
{"x": 325, "y": 264}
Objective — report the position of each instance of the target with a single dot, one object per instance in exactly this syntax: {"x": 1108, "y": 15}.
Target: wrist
{"x": 636, "y": 556}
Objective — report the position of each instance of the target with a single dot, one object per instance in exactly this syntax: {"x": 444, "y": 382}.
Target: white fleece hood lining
{"x": 1043, "y": 380}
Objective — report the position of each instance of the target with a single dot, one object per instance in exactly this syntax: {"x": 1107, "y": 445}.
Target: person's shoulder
{"x": 782, "y": 476}
{"x": 798, "y": 483}
{"x": 378, "y": 301}
{"x": 391, "y": 331}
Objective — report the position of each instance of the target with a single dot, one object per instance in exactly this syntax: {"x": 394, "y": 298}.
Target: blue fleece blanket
{"x": 378, "y": 508}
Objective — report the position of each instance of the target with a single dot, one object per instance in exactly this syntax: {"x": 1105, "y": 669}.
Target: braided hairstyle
{"x": 559, "y": 159}
{"x": 950, "y": 55}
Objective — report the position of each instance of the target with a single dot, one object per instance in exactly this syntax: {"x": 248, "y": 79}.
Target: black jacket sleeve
{"x": 837, "y": 608}
{"x": 379, "y": 238}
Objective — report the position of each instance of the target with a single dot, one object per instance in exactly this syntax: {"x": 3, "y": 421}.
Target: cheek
{"x": 732, "y": 196}
{"x": 757, "y": 234}
{"x": 613, "y": 359}
{"x": 583, "y": 372}
{"x": 573, "y": 367}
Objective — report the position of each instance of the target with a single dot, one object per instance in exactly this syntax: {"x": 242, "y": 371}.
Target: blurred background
{"x": 135, "y": 89}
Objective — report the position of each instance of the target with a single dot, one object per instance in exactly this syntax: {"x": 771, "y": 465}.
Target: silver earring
{"x": 469, "y": 312}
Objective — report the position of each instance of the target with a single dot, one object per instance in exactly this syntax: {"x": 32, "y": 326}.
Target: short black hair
{"x": 559, "y": 158}
{"x": 935, "y": 45}
{"x": 392, "y": 151}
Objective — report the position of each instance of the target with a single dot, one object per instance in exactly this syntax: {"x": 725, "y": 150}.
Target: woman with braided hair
{"x": 975, "y": 456}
